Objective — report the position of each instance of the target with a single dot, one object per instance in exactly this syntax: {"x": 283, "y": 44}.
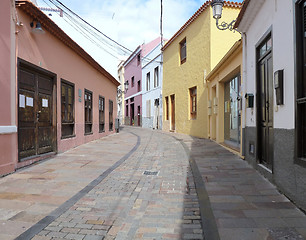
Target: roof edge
{"x": 30, "y": 9}
{"x": 237, "y": 45}
{"x": 195, "y": 16}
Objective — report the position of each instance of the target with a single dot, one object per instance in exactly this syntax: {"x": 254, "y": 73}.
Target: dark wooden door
{"x": 265, "y": 111}
{"x": 35, "y": 111}
{"x": 138, "y": 115}
{"x": 172, "y": 112}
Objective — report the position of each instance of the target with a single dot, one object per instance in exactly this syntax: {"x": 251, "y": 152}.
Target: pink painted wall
{"x": 49, "y": 53}
{"x": 133, "y": 69}
{"x": 8, "y": 141}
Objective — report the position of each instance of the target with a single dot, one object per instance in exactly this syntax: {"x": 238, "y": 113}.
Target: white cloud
{"x": 130, "y": 22}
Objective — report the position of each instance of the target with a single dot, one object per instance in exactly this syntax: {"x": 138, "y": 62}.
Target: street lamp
{"x": 119, "y": 91}
{"x": 217, "y": 6}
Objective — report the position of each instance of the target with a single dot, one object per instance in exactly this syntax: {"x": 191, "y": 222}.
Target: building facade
{"x": 225, "y": 99}
{"x": 8, "y": 120}
{"x": 133, "y": 96}
{"x": 273, "y": 70}
{"x": 53, "y": 109}
{"x": 188, "y": 57}
{"x": 152, "y": 75}
{"x": 121, "y": 93}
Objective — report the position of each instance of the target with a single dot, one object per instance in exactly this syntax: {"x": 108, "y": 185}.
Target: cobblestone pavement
{"x": 129, "y": 204}
{"x": 145, "y": 184}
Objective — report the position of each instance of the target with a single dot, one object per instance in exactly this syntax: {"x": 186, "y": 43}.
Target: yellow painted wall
{"x": 201, "y": 58}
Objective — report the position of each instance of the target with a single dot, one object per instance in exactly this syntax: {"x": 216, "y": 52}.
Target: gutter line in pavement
{"x": 39, "y": 226}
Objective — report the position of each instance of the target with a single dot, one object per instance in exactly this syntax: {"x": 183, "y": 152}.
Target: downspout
{"x": 244, "y": 87}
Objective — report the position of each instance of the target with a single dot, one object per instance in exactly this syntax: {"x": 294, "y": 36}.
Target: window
{"x": 183, "y": 51}
{"x": 167, "y": 108}
{"x": 67, "y": 109}
{"x": 193, "y": 102}
{"x": 138, "y": 59}
{"x": 101, "y": 114}
{"x": 138, "y": 86}
{"x": 111, "y": 115}
{"x": 156, "y": 77}
{"x": 148, "y": 81}
{"x": 88, "y": 111}
{"x": 301, "y": 79}
{"x": 133, "y": 82}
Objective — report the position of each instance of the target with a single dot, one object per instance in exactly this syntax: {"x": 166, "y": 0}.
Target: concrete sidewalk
{"x": 245, "y": 205}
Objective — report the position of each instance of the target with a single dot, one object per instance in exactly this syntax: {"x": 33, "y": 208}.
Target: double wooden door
{"x": 36, "y": 133}
{"x": 265, "y": 106}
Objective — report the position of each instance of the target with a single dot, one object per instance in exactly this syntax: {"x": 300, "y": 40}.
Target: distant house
{"x": 121, "y": 93}
{"x": 134, "y": 82}
{"x": 64, "y": 97}
{"x": 192, "y": 52}
{"x": 152, "y": 75}
{"x": 274, "y": 125}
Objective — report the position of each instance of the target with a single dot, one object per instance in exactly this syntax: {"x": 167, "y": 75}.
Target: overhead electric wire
{"x": 91, "y": 26}
{"x": 82, "y": 25}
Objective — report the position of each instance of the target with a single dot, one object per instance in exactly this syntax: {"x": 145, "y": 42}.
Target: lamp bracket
{"x": 225, "y": 26}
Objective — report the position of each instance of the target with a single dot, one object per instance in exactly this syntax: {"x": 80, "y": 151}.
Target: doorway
{"x": 172, "y": 126}
{"x": 265, "y": 103}
{"x": 232, "y": 112}
{"x": 132, "y": 113}
{"x": 138, "y": 115}
{"x": 36, "y": 111}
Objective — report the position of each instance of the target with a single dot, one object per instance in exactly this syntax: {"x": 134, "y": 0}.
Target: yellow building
{"x": 225, "y": 99}
{"x": 188, "y": 57}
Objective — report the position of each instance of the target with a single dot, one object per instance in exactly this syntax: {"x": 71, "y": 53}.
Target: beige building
{"x": 225, "y": 99}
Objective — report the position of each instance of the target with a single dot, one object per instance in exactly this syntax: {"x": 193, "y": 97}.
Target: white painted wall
{"x": 149, "y": 63}
{"x": 277, "y": 15}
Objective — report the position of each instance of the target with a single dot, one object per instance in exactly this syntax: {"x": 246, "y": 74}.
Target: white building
{"x": 152, "y": 74}
{"x": 274, "y": 58}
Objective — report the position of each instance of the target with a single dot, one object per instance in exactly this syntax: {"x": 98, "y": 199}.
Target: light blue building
{"x": 152, "y": 75}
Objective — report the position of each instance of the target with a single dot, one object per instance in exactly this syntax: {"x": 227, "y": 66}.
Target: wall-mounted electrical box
{"x": 279, "y": 86}
{"x": 249, "y": 100}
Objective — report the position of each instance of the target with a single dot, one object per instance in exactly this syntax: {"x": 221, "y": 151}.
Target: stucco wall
{"x": 153, "y": 93}
{"x": 49, "y": 53}
{"x": 133, "y": 69}
{"x": 8, "y": 129}
{"x": 275, "y": 16}
{"x": 202, "y": 56}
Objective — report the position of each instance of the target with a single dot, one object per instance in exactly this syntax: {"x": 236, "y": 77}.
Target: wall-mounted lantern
{"x": 36, "y": 28}
{"x": 217, "y": 6}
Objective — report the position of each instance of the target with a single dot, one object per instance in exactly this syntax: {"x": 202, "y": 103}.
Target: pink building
{"x": 133, "y": 77}
{"x": 8, "y": 108}
{"x": 64, "y": 98}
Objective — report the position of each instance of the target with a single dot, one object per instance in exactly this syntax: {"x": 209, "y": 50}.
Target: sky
{"x": 130, "y": 23}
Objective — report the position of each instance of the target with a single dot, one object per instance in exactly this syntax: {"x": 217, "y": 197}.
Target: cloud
{"x": 130, "y": 23}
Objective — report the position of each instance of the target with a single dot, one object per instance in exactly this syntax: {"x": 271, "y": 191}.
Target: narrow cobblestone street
{"x": 145, "y": 184}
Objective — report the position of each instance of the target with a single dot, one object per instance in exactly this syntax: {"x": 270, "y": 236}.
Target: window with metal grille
{"x": 88, "y": 111}
{"x": 101, "y": 114}
{"x": 111, "y": 120}
{"x": 67, "y": 108}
